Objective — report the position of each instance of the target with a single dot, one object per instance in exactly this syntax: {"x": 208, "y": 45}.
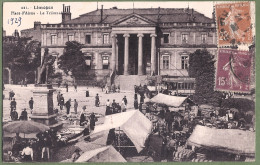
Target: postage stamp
{"x": 233, "y": 70}
{"x": 234, "y": 23}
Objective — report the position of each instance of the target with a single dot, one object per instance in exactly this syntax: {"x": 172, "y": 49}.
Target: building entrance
{"x": 133, "y": 54}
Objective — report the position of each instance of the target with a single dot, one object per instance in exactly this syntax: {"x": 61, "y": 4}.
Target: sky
{"x": 15, "y": 14}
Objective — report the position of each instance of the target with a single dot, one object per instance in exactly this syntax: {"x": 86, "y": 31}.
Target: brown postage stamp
{"x": 233, "y": 23}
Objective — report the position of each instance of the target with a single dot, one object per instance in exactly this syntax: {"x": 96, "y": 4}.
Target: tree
{"x": 201, "y": 67}
{"x": 22, "y": 57}
{"x": 73, "y": 59}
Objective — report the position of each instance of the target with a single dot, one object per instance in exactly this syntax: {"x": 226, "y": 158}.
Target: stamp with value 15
{"x": 234, "y": 23}
{"x": 233, "y": 71}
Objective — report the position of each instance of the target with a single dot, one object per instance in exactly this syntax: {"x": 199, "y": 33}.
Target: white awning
{"x": 134, "y": 124}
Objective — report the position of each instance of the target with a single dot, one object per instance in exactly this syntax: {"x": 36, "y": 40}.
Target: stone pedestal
{"x": 43, "y": 107}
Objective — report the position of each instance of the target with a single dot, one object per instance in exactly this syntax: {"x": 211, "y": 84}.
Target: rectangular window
{"x": 203, "y": 38}
{"x": 53, "y": 39}
{"x": 184, "y": 62}
{"x": 106, "y": 38}
{"x": 70, "y": 37}
{"x": 88, "y": 62}
{"x": 88, "y": 39}
{"x": 166, "y": 38}
{"x": 184, "y": 38}
{"x": 166, "y": 61}
{"x": 105, "y": 62}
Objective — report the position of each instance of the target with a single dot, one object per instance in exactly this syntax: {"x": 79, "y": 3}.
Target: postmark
{"x": 233, "y": 71}
{"x": 234, "y": 24}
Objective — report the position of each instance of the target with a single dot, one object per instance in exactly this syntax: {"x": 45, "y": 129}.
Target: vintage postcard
{"x": 128, "y": 81}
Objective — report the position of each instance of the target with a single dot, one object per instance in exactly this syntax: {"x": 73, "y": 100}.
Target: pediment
{"x": 133, "y": 20}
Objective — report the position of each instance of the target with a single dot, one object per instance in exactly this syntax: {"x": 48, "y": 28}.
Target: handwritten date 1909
{"x": 13, "y": 21}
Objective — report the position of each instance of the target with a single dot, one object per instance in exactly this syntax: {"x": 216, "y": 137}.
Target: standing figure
{"x": 25, "y": 82}
{"x": 27, "y": 153}
{"x": 46, "y": 147}
{"x": 92, "y": 121}
{"x": 31, "y": 104}
{"x": 136, "y": 104}
{"x": 24, "y": 115}
{"x": 58, "y": 98}
{"x": 125, "y": 100}
{"x": 75, "y": 87}
{"x": 61, "y": 102}
{"x": 75, "y": 106}
{"x": 114, "y": 106}
{"x": 123, "y": 106}
{"x": 11, "y": 94}
{"x": 68, "y": 105}
{"x": 67, "y": 87}
{"x": 21, "y": 83}
{"x": 13, "y": 104}
{"x": 107, "y": 108}
{"x": 97, "y": 101}
{"x": 14, "y": 115}
{"x": 58, "y": 84}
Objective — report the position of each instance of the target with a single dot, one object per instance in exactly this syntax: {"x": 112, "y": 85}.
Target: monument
{"x": 43, "y": 97}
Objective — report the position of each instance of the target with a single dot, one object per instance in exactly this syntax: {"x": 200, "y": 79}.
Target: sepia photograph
{"x": 151, "y": 81}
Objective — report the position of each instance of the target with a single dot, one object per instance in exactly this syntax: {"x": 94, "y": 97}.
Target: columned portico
{"x": 140, "y": 54}
{"x": 153, "y": 54}
{"x": 113, "y": 57}
{"x": 135, "y": 53}
{"x": 126, "y": 54}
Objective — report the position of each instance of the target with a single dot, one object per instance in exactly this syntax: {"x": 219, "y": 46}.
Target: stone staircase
{"x": 127, "y": 83}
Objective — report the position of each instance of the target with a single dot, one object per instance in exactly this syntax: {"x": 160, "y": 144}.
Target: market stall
{"x": 233, "y": 141}
{"x": 174, "y": 103}
{"x": 131, "y": 123}
{"x": 103, "y": 154}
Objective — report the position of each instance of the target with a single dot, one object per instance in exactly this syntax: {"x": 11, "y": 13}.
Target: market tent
{"x": 134, "y": 124}
{"x": 228, "y": 140}
{"x": 173, "y": 101}
{"x": 103, "y": 154}
{"x": 98, "y": 140}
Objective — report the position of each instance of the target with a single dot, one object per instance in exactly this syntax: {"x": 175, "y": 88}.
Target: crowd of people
{"x": 34, "y": 149}
{"x": 23, "y": 115}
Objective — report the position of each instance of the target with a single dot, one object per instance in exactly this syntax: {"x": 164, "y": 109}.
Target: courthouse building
{"x": 138, "y": 42}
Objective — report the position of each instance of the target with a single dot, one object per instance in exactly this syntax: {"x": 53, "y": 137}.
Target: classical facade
{"x": 149, "y": 41}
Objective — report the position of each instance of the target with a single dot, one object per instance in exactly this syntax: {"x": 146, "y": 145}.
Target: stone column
{"x": 126, "y": 57}
{"x": 140, "y": 54}
{"x": 113, "y": 57}
{"x": 153, "y": 55}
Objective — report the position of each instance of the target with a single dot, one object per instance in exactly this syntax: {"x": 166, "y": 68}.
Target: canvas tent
{"x": 103, "y": 154}
{"x": 228, "y": 140}
{"x": 134, "y": 124}
{"x": 172, "y": 101}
